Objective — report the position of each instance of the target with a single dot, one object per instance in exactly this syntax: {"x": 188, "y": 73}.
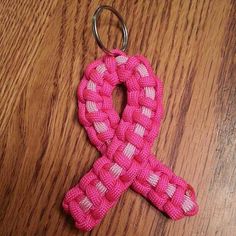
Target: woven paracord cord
{"x": 125, "y": 143}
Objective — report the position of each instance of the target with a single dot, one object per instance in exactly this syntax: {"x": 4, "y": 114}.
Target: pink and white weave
{"x": 125, "y": 143}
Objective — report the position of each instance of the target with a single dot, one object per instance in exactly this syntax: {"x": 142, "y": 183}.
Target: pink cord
{"x": 125, "y": 143}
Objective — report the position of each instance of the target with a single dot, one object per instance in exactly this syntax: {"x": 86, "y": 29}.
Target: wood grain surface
{"x": 44, "y": 48}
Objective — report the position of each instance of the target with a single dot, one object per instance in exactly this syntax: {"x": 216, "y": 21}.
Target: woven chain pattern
{"x": 124, "y": 142}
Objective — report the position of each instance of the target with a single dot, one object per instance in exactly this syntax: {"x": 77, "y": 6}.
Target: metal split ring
{"x": 95, "y": 30}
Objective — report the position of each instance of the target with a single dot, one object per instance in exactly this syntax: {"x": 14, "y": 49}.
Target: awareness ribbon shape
{"x": 125, "y": 143}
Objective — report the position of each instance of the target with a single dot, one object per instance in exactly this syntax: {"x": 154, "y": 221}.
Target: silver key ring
{"x": 95, "y": 30}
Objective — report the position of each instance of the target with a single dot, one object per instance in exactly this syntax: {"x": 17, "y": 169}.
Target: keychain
{"x": 125, "y": 142}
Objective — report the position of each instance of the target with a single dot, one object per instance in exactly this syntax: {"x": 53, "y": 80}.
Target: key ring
{"x": 125, "y": 141}
{"x": 95, "y": 30}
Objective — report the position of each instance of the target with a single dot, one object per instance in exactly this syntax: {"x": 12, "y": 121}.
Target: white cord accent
{"x": 86, "y": 204}
{"x": 91, "y": 85}
{"x": 116, "y": 170}
{"x": 101, "y": 68}
{"x": 121, "y": 60}
{"x": 153, "y": 179}
{"x": 91, "y": 106}
{"x": 188, "y": 204}
{"x": 142, "y": 70}
{"x": 101, "y": 187}
{"x": 100, "y": 127}
{"x": 150, "y": 92}
{"x": 129, "y": 150}
{"x": 170, "y": 190}
{"x": 139, "y": 129}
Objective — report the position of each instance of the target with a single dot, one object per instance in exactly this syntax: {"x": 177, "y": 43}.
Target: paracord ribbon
{"x": 125, "y": 143}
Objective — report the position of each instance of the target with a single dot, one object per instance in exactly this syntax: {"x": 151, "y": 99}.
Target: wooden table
{"x": 44, "y": 48}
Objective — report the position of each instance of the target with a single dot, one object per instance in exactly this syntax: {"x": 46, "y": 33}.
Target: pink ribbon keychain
{"x": 125, "y": 142}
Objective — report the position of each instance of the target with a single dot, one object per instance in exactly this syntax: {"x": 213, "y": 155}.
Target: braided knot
{"x": 125, "y": 143}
